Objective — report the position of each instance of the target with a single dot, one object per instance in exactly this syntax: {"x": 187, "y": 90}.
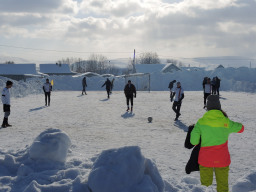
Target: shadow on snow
{"x": 181, "y": 125}
{"x": 36, "y": 109}
{"x": 127, "y": 115}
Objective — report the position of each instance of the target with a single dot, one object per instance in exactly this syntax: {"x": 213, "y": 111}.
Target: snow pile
{"x": 42, "y": 167}
{"x": 124, "y": 170}
{"x": 246, "y": 183}
{"x": 51, "y": 144}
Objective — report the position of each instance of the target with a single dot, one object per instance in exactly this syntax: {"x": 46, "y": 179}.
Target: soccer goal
{"x": 140, "y": 80}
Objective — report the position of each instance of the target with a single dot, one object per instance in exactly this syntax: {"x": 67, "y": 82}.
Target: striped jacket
{"x": 214, "y": 129}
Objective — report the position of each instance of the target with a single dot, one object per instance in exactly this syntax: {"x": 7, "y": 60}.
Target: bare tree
{"x": 149, "y": 58}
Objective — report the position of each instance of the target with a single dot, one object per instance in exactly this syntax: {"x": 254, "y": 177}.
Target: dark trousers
{"x": 213, "y": 90}
{"x": 176, "y": 108}
{"x": 129, "y": 97}
{"x": 108, "y": 92}
{"x": 205, "y": 97}
{"x": 7, "y": 110}
{"x": 47, "y": 95}
{"x": 218, "y": 90}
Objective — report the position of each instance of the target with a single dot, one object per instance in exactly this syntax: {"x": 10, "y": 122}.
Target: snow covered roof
{"x": 17, "y": 69}
{"x": 55, "y": 69}
{"x": 170, "y": 68}
{"x": 149, "y": 68}
{"x": 87, "y": 74}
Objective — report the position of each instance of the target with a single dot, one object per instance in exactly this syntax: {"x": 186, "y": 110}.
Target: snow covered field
{"x": 94, "y": 123}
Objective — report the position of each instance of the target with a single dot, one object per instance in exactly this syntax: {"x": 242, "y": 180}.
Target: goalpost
{"x": 140, "y": 80}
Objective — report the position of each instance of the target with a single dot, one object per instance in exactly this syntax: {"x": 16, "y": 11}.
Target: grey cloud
{"x": 33, "y": 6}
{"x": 24, "y": 20}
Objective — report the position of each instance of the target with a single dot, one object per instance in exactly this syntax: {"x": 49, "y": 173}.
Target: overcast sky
{"x": 171, "y": 28}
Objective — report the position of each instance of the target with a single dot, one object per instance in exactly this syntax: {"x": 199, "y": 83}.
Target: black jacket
{"x": 108, "y": 84}
{"x": 129, "y": 90}
{"x": 192, "y": 164}
{"x": 171, "y": 84}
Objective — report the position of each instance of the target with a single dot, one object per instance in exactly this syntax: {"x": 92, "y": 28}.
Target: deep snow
{"x": 95, "y": 124}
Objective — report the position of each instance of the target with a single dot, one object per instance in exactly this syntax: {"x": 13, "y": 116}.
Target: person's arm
{"x": 103, "y": 84}
{"x": 134, "y": 91}
{"x": 195, "y": 135}
{"x": 43, "y": 88}
{"x": 235, "y": 127}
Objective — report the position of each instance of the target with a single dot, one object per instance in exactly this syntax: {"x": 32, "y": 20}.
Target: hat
{"x": 213, "y": 102}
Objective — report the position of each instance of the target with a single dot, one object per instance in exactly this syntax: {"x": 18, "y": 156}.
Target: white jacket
{"x": 178, "y": 93}
{"x": 6, "y": 96}
{"x": 207, "y": 88}
{"x": 47, "y": 87}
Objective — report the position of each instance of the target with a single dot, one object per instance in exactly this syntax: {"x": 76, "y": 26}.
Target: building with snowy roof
{"x": 55, "y": 69}
{"x": 19, "y": 71}
{"x": 151, "y": 68}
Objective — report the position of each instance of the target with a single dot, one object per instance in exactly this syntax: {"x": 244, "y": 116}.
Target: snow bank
{"x": 124, "y": 170}
{"x": 246, "y": 183}
{"x": 51, "y": 144}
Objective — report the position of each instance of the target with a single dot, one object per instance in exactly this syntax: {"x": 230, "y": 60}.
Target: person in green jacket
{"x": 213, "y": 129}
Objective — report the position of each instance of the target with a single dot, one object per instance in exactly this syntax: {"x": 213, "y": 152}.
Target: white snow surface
{"x": 107, "y": 142}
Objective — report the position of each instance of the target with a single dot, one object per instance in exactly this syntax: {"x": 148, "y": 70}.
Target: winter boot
{"x": 131, "y": 109}
{"x": 128, "y": 109}
{"x": 4, "y": 123}
{"x": 7, "y": 124}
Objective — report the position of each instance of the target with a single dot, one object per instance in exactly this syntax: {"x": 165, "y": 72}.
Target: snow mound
{"x": 124, "y": 170}
{"x": 52, "y": 144}
{"x": 246, "y": 183}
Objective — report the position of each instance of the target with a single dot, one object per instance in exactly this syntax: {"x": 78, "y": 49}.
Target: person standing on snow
{"x": 213, "y": 86}
{"x": 84, "y": 84}
{"x": 217, "y": 85}
{"x": 207, "y": 90}
{"x": 6, "y": 104}
{"x": 108, "y": 86}
{"x": 130, "y": 92}
{"x": 179, "y": 95}
{"x": 170, "y": 87}
{"x": 213, "y": 129}
{"x": 47, "y": 91}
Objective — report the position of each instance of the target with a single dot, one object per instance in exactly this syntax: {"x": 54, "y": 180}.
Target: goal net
{"x": 140, "y": 80}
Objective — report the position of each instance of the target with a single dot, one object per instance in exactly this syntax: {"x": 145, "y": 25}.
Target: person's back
{"x": 213, "y": 129}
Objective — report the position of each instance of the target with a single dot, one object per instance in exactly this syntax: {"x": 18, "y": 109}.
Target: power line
{"x": 54, "y": 50}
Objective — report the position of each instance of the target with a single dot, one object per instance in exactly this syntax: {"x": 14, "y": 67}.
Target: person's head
{"x": 209, "y": 80}
{"x": 174, "y": 81}
{"x": 9, "y": 84}
{"x": 178, "y": 84}
{"x": 129, "y": 81}
{"x": 47, "y": 80}
{"x": 213, "y": 102}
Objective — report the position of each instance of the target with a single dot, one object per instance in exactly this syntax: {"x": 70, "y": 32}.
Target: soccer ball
{"x": 150, "y": 119}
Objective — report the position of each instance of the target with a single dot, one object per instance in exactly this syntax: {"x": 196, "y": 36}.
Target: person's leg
{"x": 108, "y": 92}
{"x": 205, "y": 96}
{"x": 49, "y": 98}
{"x": 127, "y": 102}
{"x": 45, "y": 94}
{"x": 178, "y": 111}
{"x": 174, "y": 105}
{"x": 6, "y": 115}
{"x": 206, "y": 175}
{"x": 131, "y": 103}
{"x": 221, "y": 174}
{"x": 218, "y": 91}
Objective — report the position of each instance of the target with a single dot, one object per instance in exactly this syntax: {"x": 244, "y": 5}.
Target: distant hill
{"x": 225, "y": 61}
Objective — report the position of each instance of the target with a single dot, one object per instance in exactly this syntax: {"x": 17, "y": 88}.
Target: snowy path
{"x": 95, "y": 123}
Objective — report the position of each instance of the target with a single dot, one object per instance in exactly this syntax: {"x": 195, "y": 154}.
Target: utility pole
{"x": 133, "y": 63}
